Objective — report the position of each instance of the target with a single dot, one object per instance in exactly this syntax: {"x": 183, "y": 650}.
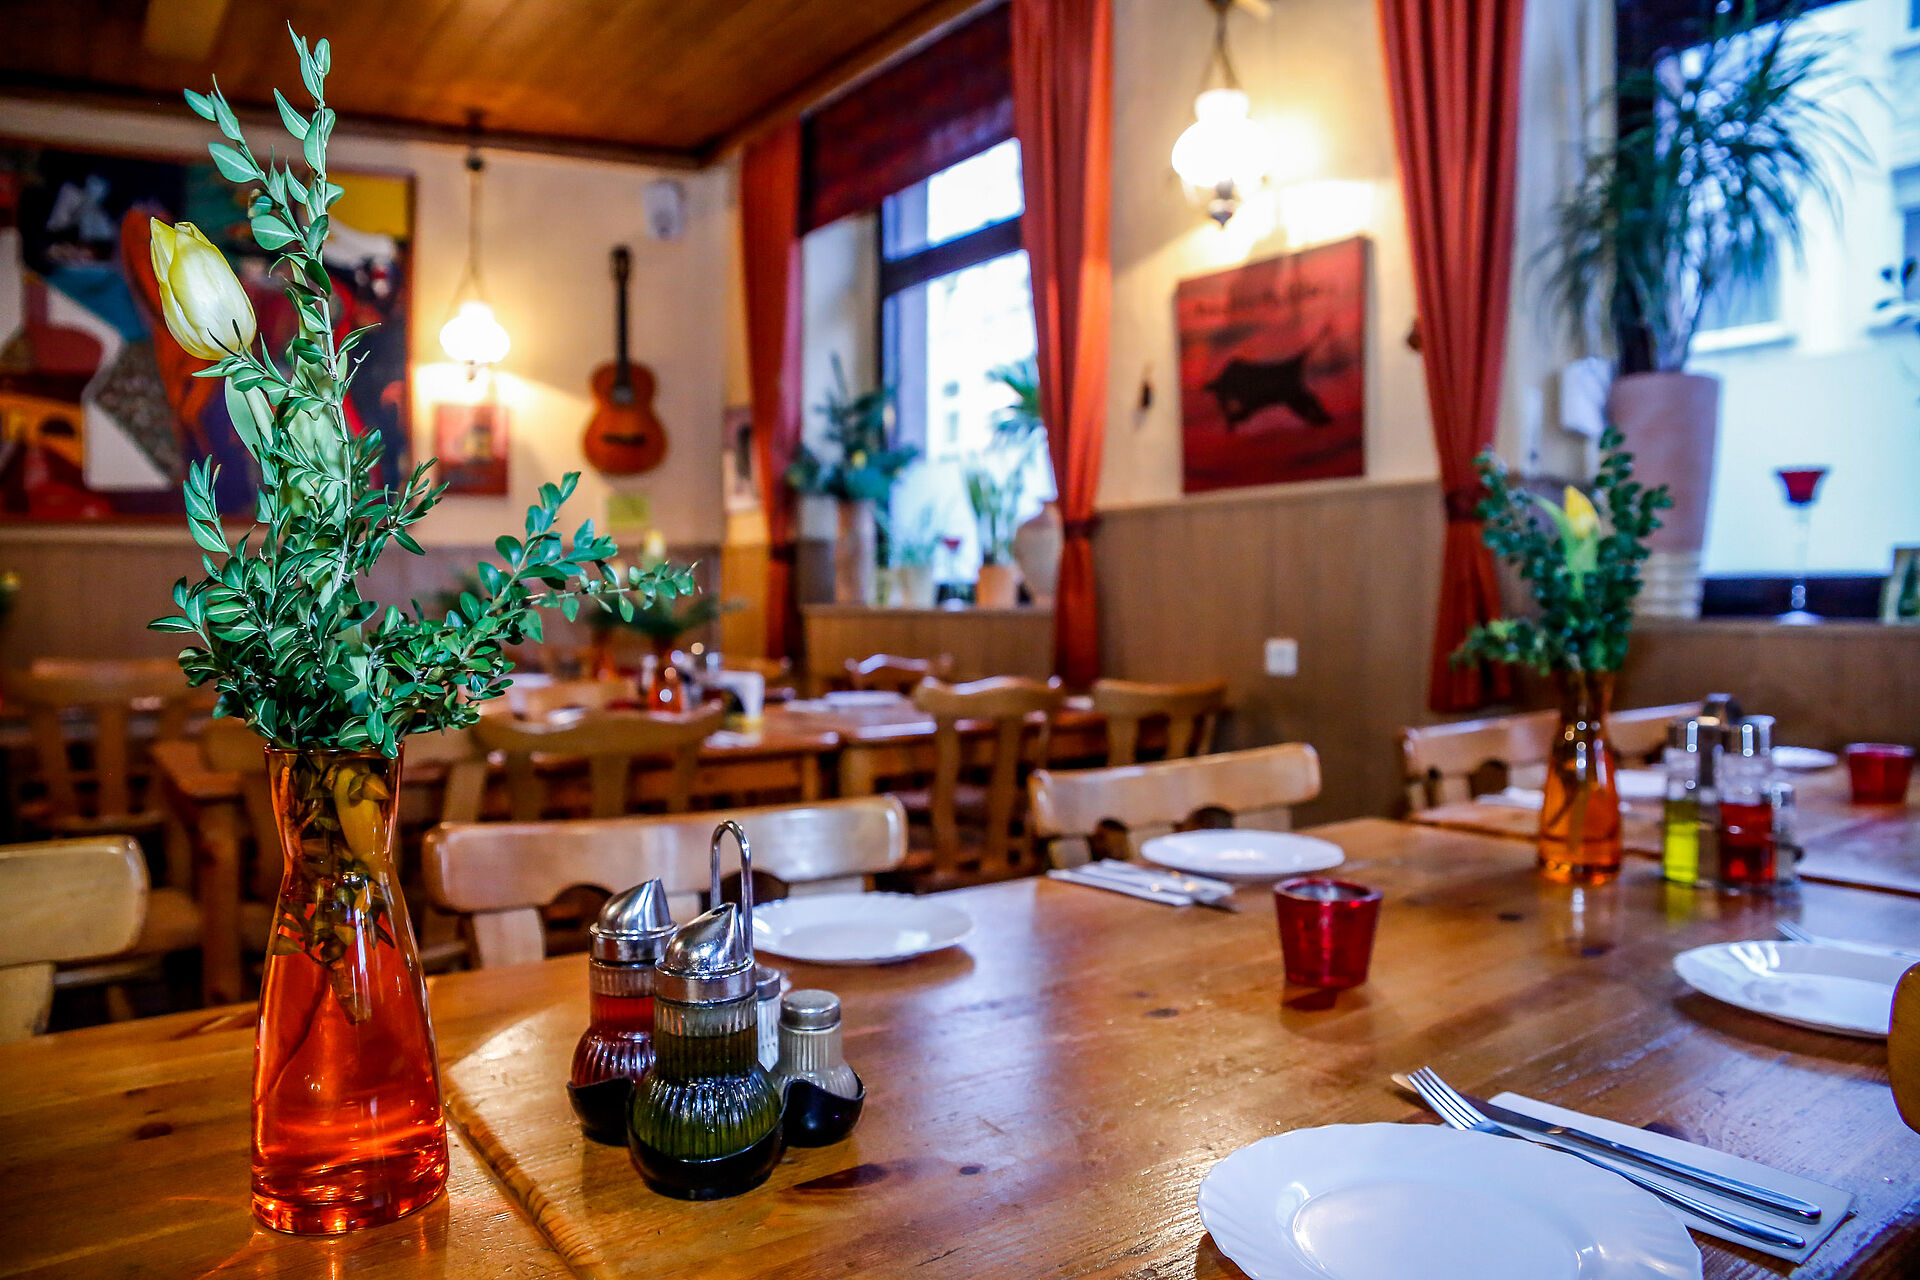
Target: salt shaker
{"x": 768, "y": 982}
{"x": 822, "y": 1095}
{"x": 617, "y": 1046}
{"x": 705, "y": 1120}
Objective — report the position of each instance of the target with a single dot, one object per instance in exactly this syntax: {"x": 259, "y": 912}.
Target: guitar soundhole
{"x": 622, "y": 396}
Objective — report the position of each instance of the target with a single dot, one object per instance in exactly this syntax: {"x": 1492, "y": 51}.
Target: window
{"x": 955, "y": 307}
{"x": 1736, "y": 304}
{"x": 1910, "y": 250}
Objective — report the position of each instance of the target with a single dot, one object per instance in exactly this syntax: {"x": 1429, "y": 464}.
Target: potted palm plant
{"x": 1699, "y": 193}
{"x": 860, "y": 427}
{"x": 995, "y": 500}
{"x": 1020, "y": 429}
{"x": 347, "y": 1125}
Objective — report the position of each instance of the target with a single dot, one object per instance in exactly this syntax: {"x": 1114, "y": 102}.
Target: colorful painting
{"x": 470, "y": 441}
{"x": 1273, "y": 369}
{"x": 98, "y": 421}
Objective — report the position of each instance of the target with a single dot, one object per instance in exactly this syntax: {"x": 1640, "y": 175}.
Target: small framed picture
{"x": 1900, "y": 598}
{"x": 471, "y": 442}
{"x": 739, "y": 478}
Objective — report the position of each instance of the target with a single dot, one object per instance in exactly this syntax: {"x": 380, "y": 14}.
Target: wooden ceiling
{"x": 669, "y": 81}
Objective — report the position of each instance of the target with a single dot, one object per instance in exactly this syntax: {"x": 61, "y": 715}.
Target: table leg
{"x": 809, "y": 778}
{"x": 856, "y": 771}
{"x": 217, "y": 887}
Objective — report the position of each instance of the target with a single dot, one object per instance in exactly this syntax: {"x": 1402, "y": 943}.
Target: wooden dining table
{"x": 1865, "y": 845}
{"x": 1042, "y": 1100}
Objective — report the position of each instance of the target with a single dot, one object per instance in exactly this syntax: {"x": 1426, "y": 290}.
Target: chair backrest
{"x": 62, "y": 900}
{"x": 1440, "y": 760}
{"x": 109, "y": 694}
{"x": 1019, "y": 716}
{"x": 1190, "y": 710}
{"x": 502, "y": 873}
{"x": 1257, "y": 788}
{"x": 537, "y": 702}
{"x": 610, "y": 742}
{"x": 896, "y": 674}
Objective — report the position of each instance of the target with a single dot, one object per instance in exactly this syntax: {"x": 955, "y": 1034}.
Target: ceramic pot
{"x": 855, "y": 548}
{"x": 347, "y": 1128}
{"x": 1037, "y": 545}
{"x": 913, "y": 586}
{"x": 1671, "y": 424}
{"x": 997, "y": 587}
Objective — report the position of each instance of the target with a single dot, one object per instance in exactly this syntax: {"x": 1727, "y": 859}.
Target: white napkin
{"x": 1834, "y": 1203}
{"x": 1641, "y": 784}
{"x": 1514, "y": 798}
{"x": 808, "y": 704}
{"x": 1165, "y": 897}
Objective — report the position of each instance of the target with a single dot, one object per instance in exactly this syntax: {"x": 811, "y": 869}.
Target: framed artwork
{"x": 1900, "y": 598}
{"x": 98, "y": 420}
{"x": 1273, "y": 369}
{"x": 739, "y": 479}
{"x": 470, "y": 442}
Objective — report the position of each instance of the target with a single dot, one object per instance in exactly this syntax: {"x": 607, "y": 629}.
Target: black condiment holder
{"x": 813, "y": 1117}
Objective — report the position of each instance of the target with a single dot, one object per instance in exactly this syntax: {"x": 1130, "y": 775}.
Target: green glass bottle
{"x": 704, "y": 1121}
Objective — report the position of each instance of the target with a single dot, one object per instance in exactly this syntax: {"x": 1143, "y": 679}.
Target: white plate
{"x": 861, "y": 698}
{"x": 1826, "y": 988}
{"x": 1803, "y": 759}
{"x": 857, "y": 928}
{"x": 1416, "y": 1202}
{"x": 1243, "y": 855}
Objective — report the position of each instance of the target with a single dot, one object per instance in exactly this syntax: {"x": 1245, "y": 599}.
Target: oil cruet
{"x": 704, "y": 1121}
{"x": 632, "y": 930}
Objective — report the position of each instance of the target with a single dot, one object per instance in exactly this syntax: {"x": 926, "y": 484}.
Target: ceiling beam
{"x": 183, "y": 29}
{"x": 120, "y": 98}
{"x": 919, "y": 28}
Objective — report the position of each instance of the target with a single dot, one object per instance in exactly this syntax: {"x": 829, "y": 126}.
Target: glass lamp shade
{"x": 473, "y": 336}
{"x": 1222, "y": 151}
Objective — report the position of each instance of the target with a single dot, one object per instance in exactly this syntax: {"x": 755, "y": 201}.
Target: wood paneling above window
{"x": 669, "y": 80}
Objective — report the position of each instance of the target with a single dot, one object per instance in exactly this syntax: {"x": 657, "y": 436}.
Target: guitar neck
{"x": 623, "y": 365}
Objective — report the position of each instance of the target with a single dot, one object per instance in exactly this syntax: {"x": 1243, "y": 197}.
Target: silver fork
{"x": 1459, "y": 1113}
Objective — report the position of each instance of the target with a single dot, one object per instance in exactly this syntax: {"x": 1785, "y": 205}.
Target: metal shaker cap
{"x": 634, "y": 926}
{"x": 1753, "y": 736}
{"x": 710, "y": 960}
{"x": 810, "y": 1010}
{"x": 766, "y": 982}
{"x": 1684, "y": 735}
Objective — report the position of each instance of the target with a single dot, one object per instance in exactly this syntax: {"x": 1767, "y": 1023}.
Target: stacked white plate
{"x": 1238, "y": 854}
{"x": 857, "y": 928}
{"x": 1416, "y": 1202}
{"x": 1826, "y": 988}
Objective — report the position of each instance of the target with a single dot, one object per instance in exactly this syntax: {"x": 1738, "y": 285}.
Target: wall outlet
{"x": 1283, "y": 656}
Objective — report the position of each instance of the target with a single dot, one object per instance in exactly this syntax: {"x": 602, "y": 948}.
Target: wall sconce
{"x": 1223, "y": 154}
{"x": 472, "y": 336}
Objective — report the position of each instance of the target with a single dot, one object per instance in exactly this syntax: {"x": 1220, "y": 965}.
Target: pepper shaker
{"x": 821, "y": 1094}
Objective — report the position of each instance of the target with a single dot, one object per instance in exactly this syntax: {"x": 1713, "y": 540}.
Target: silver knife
{"x": 1192, "y": 886}
{"x": 1733, "y": 1187}
{"x": 1160, "y": 884}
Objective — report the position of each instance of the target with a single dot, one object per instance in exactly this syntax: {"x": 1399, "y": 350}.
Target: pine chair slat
{"x": 62, "y": 900}
{"x": 896, "y": 674}
{"x": 1021, "y": 714}
{"x": 610, "y": 742}
{"x": 1192, "y": 711}
{"x": 502, "y": 873}
{"x": 1256, "y": 788}
{"x": 1440, "y": 760}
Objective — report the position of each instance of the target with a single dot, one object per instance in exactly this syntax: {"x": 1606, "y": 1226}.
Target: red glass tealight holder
{"x": 1326, "y": 930}
{"x": 1880, "y": 772}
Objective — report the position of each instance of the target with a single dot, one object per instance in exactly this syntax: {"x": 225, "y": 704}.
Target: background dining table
{"x": 1869, "y": 846}
{"x": 1043, "y": 1100}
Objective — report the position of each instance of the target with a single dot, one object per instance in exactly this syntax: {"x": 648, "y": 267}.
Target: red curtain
{"x": 770, "y": 261}
{"x": 1063, "y": 116}
{"x": 1453, "y": 74}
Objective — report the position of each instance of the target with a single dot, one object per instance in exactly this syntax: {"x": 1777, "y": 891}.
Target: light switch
{"x": 1283, "y": 656}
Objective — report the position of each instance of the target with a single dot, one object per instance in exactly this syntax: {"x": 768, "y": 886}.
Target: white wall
{"x": 1316, "y": 66}
{"x": 549, "y": 224}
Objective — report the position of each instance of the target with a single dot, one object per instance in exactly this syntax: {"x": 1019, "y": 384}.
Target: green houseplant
{"x": 1039, "y": 542}
{"x": 995, "y": 500}
{"x": 1582, "y": 568}
{"x": 1703, "y": 190}
{"x": 860, "y": 428}
{"x": 347, "y": 1125}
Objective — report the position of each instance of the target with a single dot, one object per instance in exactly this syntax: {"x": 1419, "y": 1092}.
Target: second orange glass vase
{"x": 1580, "y": 815}
{"x": 347, "y": 1127}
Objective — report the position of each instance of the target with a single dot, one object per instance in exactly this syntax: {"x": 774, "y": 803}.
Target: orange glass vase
{"x": 1580, "y": 816}
{"x": 347, "y": 1128}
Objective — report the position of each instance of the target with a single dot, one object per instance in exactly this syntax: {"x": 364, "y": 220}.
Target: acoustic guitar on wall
{"x": 624, "y": 436}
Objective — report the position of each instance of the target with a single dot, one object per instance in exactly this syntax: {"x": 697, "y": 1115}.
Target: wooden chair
{"x": 1191, "y": 712}
{"x": 1255, "y": 788}
{"x": 504, "y": 873}
{"x": 1019, "y": 713}
{"x": 62, "y": 900}
{"x": 111, "y": 796}
{"x": 1441, "y": 760}
{"x": 896, "y": 674}
{"x": 611, "y": 742}
{"x": 539, "y": 702}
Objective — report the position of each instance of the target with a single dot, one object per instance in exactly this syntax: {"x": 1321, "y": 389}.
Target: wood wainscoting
{"x": 1349, "y": 569}
{"x": 981, "y": 642}
{"x": 89, "y": 592}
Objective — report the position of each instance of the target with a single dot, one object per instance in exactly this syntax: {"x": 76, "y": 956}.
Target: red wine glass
{"x": 1803, "y": 487}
